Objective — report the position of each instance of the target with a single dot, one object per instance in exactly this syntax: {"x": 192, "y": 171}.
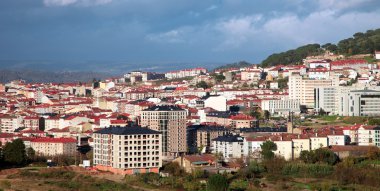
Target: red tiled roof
{"x": 55, "y": 140}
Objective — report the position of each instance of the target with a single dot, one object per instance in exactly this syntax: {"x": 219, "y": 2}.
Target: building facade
{"x": 54, "y": 146}
{"x": 127, "y": 150}
{"x": 171, "y": 122}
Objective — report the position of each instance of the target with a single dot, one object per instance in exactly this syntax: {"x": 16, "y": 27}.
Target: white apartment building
{"x": 230, "y": 146}
{"x": 302, "y": 88}
{"x": 360, "y": 103}
{"x": 300, "y": 144}
{"x": 369, "y": 136}
{"x": 249, "y": 75}
{"x": 281, "y": 107}
{"x": 127, "y": 150}
{"x": 252, "y": 147}
{"x": 218, "y": 103}
{"x": 8, "y": 124}
{"x": 317, "y": 142}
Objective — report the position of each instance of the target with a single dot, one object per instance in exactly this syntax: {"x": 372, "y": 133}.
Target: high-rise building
{"x": 302, "y": 88}
{"x": 171, "y": 122}
{"x": 127, "y": 150}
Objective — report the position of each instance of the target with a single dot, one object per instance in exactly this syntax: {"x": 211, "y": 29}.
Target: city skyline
{"x": 151, "y": 35}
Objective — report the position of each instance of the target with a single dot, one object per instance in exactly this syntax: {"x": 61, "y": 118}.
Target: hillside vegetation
{"x": 360, "y": 43}
{"x": 241, "y": 64}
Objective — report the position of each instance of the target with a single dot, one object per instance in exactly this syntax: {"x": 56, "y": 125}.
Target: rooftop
{"x": 126, "y": 130}
{"x": 164, "y": 108}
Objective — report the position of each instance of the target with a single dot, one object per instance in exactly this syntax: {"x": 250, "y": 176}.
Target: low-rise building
{"x": 54, "y": 146}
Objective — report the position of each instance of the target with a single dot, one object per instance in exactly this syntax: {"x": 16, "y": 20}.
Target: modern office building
{"x": 359, "y": 103}
{"x": 281, "y": 107}
{"x": 127, "y": 150}
{"x": 170, "y": 120}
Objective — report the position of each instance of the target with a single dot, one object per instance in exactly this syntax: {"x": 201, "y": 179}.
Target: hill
{"x": 45, "y": 76}
{"x": 240, "y": 64}
{"x": 360, "y": 43}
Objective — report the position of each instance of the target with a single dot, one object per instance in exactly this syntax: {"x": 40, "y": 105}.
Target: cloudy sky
{"x": 174, "y": 31}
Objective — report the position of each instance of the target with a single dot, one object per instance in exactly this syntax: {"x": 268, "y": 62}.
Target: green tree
{"x": 238, "y": 185}
{"x": 283, "y": 83}
{"x": 219, "y": 78}
{"x": 202, "y": 84}
{"x": 266, "y": 114}
{"x": 30, "y": 153}
{"x": 217, "y": 182}
{"x": 14, "y": 152}
{"x": 267, "y": 149}
{"x": 255, "y": 112}
{"x": 307, "y": 156}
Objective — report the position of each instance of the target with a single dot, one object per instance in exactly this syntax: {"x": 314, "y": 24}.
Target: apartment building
{"x": 206, "y": 134}
{"x": 243, "y": 121}
{"x": 369, "y": 135}
{"x": 229, "y": 146}
{"x": 302, "y": 88}
{"x": 127, "y": 150}
{"x": 170, "y": 120}
{"x": 54, "y": 146}
{"x": 9, "y": 123}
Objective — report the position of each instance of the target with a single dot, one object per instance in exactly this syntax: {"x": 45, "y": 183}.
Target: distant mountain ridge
{"x": 361, "y": 43}
{"x": 32, "y": 76}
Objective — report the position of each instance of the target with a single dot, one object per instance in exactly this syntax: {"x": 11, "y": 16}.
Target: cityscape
{"x": 302, "y": 116}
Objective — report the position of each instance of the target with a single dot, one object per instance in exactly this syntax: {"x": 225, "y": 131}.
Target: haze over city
{"x": 114, "y": 35}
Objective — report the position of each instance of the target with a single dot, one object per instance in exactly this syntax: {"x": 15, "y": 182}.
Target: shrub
{"x": 217, "y": 182}
{"x": 5, "y": 184}
{"x": 238, "y": 185}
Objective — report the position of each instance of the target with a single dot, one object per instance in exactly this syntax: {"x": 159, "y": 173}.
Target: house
{"x": 193, "y": 162}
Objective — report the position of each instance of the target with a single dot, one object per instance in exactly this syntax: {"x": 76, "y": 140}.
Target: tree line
{"x": 359, "y": 43}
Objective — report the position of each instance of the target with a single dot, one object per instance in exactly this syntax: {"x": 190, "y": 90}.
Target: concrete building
{"x": 218, "y": 103}
{"x": 171, "y": 122}
{"x": 127, "y": 150}
{"x": 229, "y": 146}
{"x": 281, "y": 107}
{"x": 302, "y": 88}
{"x": 369, "y": 136}
{"x": 206, "y": 134}
{"x": 360, "y": 103}
{"x": 54, "y": 146}
{"x": 9, "y": 123}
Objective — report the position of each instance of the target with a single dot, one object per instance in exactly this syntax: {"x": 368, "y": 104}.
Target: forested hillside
{"x": 360, "y": 43}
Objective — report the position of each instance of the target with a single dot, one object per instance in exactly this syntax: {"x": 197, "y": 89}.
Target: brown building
{"x": 206, "y": 134}
{"x": 171, "y": 122}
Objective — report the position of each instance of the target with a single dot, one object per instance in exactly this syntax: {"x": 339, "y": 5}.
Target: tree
{"x": 30, "y": 153}
{"x": 202, "y": 84}
{"x": 267, "y": 149}
{"x": 219, "y": 78}
{"x": 254, "y": 112}
{"x": 307, "y": 156}
{"x": 238, "y": 185}
{"x": 217, "y": 182}
{"x": 266, "y": 114}
{"x": 14, "y": 152}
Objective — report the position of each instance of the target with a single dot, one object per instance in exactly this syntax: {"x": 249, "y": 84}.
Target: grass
{"x": 61, "y": 179}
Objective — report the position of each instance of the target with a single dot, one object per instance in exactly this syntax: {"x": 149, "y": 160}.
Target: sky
{"x": 151, "y": 34}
